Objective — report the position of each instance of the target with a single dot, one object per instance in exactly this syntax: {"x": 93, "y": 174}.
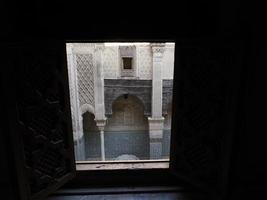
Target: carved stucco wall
{"x": 84, "y": 58}
{"x": 168, "y": 62}
{"x": 144, "y": 56}
{"x": 139, "y": 88}
{"x": 85, "y": 69}
{"x": 126, "y": 131}
{"x": 128, "y": 114}
{"x": 111, "y": 62}
{"x": 84, "y": 61}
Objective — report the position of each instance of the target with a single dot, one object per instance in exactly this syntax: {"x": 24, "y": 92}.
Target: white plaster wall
{"x": 84, "y": 48}
{"x": 111, "y": 62}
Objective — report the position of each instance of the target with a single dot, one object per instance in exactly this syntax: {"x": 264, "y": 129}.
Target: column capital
{"x": 101, "y": 123}
{"x": 157, "y": 48}
{"x": 156, "y": 123}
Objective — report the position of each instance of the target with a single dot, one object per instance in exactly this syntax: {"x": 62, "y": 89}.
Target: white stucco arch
{"x": 87, "y": 108}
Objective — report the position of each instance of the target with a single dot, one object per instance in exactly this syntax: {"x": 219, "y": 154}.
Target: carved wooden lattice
{"x": 44, "y": 119}
{"x": 85, "y": 75}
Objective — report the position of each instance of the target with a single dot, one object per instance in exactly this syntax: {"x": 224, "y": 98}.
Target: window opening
{"x": 120, "y": 118}
{"x": 127, "y": 63}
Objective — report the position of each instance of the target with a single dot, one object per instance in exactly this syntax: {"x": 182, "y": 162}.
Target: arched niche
{"x": 126, "y": 131}
{"x": 91, "y": 137}
{"x": 114, "y": 88}
{"x": 87, "y": 108}
{"x": 128, "y": 114}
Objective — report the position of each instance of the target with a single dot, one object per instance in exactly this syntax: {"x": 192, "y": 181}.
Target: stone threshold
{"x": 118, "y": 165}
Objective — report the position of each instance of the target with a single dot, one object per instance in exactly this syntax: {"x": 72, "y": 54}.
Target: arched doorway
{"x": 91, "y": 136}
{"x": 126, "y": 131}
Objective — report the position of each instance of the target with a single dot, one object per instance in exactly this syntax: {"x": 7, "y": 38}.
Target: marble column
{"x": 101, "y": 125}
{"x": 99, "y": 95}
{"x": 156, "y": 120}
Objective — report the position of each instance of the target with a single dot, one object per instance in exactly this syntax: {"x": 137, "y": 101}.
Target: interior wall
{"x": 185, "y": 20}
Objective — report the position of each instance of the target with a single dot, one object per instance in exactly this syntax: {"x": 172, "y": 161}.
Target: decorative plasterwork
{"x": 99, "y": 47}
{"x": 85, "y": 74}
{"x": 158, "y": 48}
{"x": 83, "y": 48}
{"x": 101, "y": 123}
{"x": 168, "y": 63}
{"x": 110, "y": 62}
{"x": 87, "y": 108}
{"x": 144, "y": 62}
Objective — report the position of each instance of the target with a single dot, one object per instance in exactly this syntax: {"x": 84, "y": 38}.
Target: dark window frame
{"x": 124, "y": 58}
